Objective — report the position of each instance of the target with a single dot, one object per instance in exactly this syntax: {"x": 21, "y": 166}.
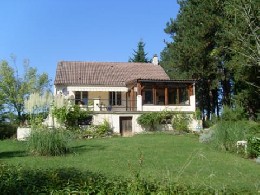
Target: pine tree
{"x": 217, "y": 43}
{"x": 195, "y": 33}
{"x": 139, "y": 55}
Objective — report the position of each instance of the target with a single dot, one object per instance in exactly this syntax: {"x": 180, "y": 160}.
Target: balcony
{"x": 104, "y": 105}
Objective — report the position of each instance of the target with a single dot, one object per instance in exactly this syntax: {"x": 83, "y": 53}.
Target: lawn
{"x": 178, "y": 158}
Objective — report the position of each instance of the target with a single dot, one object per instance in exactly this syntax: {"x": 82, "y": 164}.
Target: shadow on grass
{"x": 86, "y": 148}
{"x": 11, "y": 154}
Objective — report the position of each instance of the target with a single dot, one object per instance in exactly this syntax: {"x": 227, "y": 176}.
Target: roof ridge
{"x": 103, "y": 62}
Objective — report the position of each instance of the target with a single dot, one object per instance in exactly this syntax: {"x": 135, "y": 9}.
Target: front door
{"x": 126, "y": 126}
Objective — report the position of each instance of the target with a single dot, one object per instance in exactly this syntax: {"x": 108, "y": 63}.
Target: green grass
{"x": 164, "y": 156}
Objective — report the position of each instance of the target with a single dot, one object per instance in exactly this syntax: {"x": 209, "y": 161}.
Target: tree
{"x": 195, "y": 36}
{"x": 139, "y": 55}
{"x": 217, "y": 43}
{"x": 2, "y": 111}
{"x": 242, "y": 28}
{"x": 14, "y": 89}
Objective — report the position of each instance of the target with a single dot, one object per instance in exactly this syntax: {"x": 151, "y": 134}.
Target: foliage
{"x": 233, "y": 127}
{"x": 103, "y": 128}
{"x": 211, "y": 122}
{"x": 253, "y": 138}
{"x": 206, "y": 136}
{"x": 195, "y": 35}
{"x": 216, "y": 43}
{"x": 14, "y": 88}
{"x": 197, "y": 114}
{"x": 38, "y": 103}
{"x": 233, "y": 114}
{"x": 48, "y": 142}
{"x": 72, "y": 181}
{"x": 149, "y": 120}
{"x": 94, "y": 131}
{"x": 139, "y": 55}
{"x": 180, "y": 122}
{"x": 253, "y": 147}
{"x": 70, "y": 115}
{"x": 242, "y": 29}
{"x": 7, "y": 130}
{"x": 227, "y": 133}
{"x": 38, "y": 106}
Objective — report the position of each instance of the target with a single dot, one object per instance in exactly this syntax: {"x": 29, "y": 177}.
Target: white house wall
{"x": 114, "y": 120}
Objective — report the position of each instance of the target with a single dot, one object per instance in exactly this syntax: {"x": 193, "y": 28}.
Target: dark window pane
{"x": 148, "y": 97}
{"x": 119, "y": 100}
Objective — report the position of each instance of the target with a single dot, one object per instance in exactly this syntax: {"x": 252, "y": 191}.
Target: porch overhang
{"x": 166, "y": 82}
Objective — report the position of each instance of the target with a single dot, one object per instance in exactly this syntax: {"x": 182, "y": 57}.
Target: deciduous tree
{"x": 15, "y": 88}
{"x": 242, "y": 27}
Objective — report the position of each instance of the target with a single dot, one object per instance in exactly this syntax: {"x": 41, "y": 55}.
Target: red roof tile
{"x": 106, "y": 73}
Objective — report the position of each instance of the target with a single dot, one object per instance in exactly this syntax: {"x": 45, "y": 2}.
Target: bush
{"x": 103, "y": 129}
{"x": 253, "y": 147}
{"x": 93, "y": 131}
{"x": 180, "y": 122}
{"x": 7, "y": 131}
{"x": 227, "y": 133}
{"x": 48, "y": 142}
{"x": 70, "y": 116}
{"x": 253, "y": 138}
{"x": 233, "y": 114}
{"x": 149, "y": 120}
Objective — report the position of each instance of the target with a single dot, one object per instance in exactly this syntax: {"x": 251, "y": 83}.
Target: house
{"x": 121, "y": 91}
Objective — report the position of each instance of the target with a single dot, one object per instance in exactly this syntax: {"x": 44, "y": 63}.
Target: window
{"x": 81, "y": 97}
{"x": 115, "y": 98}
{"x": 148, "y": 96}
{"x": 179, "y": 96}
{"x": 183, "y": 96}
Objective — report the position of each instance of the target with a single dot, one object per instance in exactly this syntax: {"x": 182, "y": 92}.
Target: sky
{"x": 48, "y": 31}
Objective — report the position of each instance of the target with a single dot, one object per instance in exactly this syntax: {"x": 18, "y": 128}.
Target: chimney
{"x": 155, "y": 60}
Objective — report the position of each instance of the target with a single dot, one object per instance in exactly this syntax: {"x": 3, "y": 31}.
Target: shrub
{"x": 48, "y": 142}
{"x": 233, "y": 114}
{"x": 103, "y": 129}
{"x": 253, "y": 138}
{"x": 253, "y": 147}
{"x": 70, "y": 116}
{"x": 92, "y": 131}
{"x": 149, "y": 120}
{"x": 7, "y": 131}
{"x": 227, "y": 133}
{"x": 180, "y": 122}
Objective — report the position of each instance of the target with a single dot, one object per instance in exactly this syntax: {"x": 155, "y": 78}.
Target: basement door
{"x": 126, "y": 126}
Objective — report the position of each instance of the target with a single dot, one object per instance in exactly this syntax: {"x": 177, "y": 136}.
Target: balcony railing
{"x": 103, "y": 105}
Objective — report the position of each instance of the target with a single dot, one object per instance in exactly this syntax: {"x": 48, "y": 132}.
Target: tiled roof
{"x": 106, "y": 73}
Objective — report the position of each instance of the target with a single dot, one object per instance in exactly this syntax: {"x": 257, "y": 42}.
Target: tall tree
{"x": 139, "y": 55}
{"x": 242, "y": 27}
{"x": 217, "y": 43}
{"x": 14, "y": 89}
{"x": 2, "y": 111}
{"x": 195, "y": 33}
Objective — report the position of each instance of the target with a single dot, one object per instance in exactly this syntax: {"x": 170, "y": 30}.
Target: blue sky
{"x": 48, "y": 31}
